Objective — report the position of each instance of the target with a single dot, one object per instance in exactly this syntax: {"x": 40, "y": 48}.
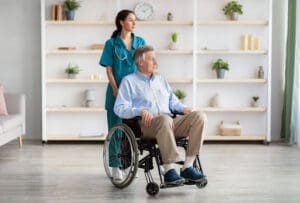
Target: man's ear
{"x": 140, "y": 63}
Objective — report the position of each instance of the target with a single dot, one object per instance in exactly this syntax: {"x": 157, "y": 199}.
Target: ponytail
{"x": 115, "y": 33}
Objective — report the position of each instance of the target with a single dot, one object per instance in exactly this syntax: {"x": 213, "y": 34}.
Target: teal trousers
{"x": 114, "y": 145}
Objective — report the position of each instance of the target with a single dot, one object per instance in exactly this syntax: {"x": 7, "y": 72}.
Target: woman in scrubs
{"x": 117, "y": 58}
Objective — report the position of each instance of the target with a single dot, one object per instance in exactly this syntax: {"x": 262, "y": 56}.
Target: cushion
{"x": 9, "y": 122}
{"x": 3, "y": 109}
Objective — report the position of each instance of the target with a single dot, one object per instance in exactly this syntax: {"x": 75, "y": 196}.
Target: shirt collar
{"x": 144, "y": 77}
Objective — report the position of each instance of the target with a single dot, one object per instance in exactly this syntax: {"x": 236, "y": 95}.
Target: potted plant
{"x": 72, "y": 71}
{"x": 180, "y": 94}
{"x": 173, "y": 45}
{"x": 220, "y": 66}
{"x": 232, "y": 9}
{"x": 70, "y": 7}
{"x": 170, "y": 16}
{"x": 255, "y": 101}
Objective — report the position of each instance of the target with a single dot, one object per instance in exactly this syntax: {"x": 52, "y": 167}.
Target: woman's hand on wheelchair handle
{"x": 146, "y": 118}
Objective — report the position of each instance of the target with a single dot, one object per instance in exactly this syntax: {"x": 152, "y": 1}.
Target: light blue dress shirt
{"x": 138, "y": 92}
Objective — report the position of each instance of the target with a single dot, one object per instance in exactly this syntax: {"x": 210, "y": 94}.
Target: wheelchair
{"x": 132, "y": 146}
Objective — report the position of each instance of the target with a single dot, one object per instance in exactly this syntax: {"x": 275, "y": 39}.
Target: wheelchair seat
{"x": 132, "y": 146}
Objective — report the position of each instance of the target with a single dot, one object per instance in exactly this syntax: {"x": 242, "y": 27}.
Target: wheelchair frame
{"x": 132, "y": 145}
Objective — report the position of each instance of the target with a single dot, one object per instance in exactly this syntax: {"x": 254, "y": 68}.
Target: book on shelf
{"x": 57, "y": 12}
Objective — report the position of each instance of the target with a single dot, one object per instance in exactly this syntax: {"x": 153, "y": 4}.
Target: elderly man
{"x": 149, "y": 96}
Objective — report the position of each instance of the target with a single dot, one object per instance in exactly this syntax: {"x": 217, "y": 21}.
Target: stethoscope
{"x": 120, "y": 57}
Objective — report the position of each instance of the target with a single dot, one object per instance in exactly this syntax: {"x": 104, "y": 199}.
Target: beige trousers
{"x": 165, "y": 129}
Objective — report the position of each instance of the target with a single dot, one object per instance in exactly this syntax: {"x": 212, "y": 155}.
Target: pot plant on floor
{"x": 233, "y": 9}
{"x": 70, "y": 7}
{"x": 72, "y": 71}
{"x": 220, "y": 67}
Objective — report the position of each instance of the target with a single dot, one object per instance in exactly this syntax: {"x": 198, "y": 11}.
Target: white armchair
{"x": 12, "y": 126}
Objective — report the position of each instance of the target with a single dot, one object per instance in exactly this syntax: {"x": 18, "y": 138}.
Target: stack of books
{"x": 57, "y": 12}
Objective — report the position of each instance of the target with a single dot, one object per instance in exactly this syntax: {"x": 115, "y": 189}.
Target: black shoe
{"x": 192, "y": 175}
{"x": 172, "y": 178}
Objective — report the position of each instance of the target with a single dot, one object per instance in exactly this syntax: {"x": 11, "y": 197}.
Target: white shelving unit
{"x": 204, "y": 36}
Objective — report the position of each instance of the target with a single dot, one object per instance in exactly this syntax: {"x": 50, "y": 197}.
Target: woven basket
{"x": 230, "y": 129}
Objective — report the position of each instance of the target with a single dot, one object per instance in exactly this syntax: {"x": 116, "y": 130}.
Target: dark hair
{"x": 120, "y": 16}
{"x": 139, "y": 53}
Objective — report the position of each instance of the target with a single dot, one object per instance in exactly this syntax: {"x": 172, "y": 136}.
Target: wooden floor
{"x": 74, "y": 173}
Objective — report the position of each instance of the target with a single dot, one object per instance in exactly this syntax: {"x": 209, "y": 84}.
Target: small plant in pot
{"x": 180, "y": 94}
{"x": 173, "y": 45}
{"x": 220, "y": 67}
{"x": 233, "y": 9}
{"x": 72, "y": 71}
{"x": 170, "y": 16}
{"x": 255, "y": 101}
{"x": 70, "y": 6}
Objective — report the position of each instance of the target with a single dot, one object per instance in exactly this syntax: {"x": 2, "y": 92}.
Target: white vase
{"x": 254, "y": 104}
{"x": 72, "y": 76}
{"x": 173, "y": 46}
{"x": 233, "y": 16}
{"x": 214, "y": 101}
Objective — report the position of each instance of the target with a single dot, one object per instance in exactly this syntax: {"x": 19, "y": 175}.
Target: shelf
{"x": 207, "y": 138}
{"x": 181, "y": 81}
{"x": 90, "y": 51}
{"x": 74, "y": 109}
{"x": 234, "y": 109}
{"x": 75, "y": 81}
{"x": 164, "y": 22}
{"x": 74, "y": 138}
{"x": 186, "y": 73}
{"x": 233, "y": 81}
{"x": 226, "y": 51}
{"x": 235, "y": 138}
{"x": 174, "y": 51}
{"x": 108, "y": 22}
{"x": 238, "y": 22}
{"x": 78, "y": 51}
{"x": 79, "y": 22}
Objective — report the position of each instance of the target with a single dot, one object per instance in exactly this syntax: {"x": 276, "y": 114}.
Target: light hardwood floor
{"x": 74, "y": 173}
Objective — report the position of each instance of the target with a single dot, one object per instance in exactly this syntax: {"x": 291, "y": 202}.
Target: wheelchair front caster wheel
{"x": 152, "y": 188}
{"x": 202, "y": 184}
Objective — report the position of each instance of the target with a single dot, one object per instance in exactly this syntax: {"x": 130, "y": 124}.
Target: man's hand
{"x": 187, "y": 110}
{"x": 146, "y": 118}
{"x": 115, "y": 92}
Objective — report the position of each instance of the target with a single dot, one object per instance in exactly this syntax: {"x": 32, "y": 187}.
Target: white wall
{"x": 20, "y": 59}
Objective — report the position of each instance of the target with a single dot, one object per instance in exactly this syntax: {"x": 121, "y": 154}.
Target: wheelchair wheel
{"x": 202, "y": 184}
{"x": 128, "y": 154}
{"x": 152, "y": 188}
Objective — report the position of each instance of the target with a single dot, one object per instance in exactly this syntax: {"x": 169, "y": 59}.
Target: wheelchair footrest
{"x": 202, "y": 181}
{"x": 189, "y": 183}
{"x": 165, "y": 186}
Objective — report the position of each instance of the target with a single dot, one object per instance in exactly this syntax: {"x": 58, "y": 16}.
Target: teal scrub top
{"x": 116, "y": 55}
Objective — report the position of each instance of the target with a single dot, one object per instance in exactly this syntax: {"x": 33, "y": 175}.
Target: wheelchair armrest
{"x": 175, "y": 113}
{"x": 133, "y": 123}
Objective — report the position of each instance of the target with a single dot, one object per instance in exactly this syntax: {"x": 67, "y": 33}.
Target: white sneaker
{"x": 127, "y": 171}
{"x": 117, "y": 174}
